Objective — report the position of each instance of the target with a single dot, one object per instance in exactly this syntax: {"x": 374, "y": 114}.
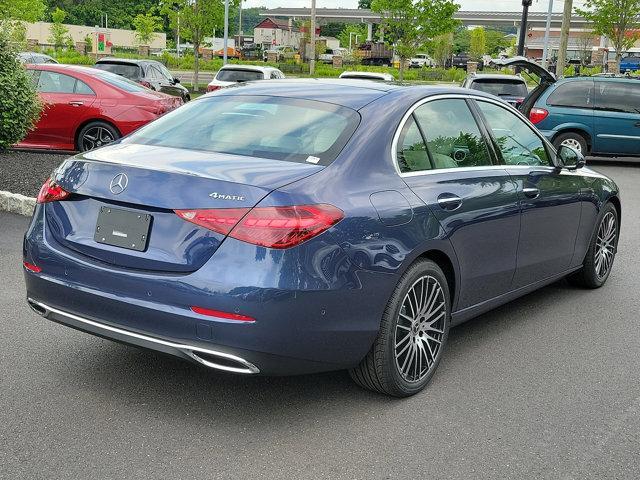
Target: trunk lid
{"x": 141, "y": 180}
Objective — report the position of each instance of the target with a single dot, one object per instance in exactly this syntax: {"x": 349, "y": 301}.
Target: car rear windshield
{"x": 499, "y": 87}
{"x": 120, "y": 82}
{"x": 125, "y": 70}
{"x": 258, "y": 126}
{"x": 238, "y": 75}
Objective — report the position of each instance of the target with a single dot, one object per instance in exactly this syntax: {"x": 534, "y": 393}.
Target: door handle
{"x": 531, "y": 192}
{"x": 76, "y": 103}
{"x": 449, "y": 201}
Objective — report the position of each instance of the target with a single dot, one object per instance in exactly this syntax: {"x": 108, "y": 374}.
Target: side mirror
{"x": 570, "y": 159}
{"x": 176, "y": 80}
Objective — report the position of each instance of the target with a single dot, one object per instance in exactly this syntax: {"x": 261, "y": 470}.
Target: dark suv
{"x": 150, "y": 73}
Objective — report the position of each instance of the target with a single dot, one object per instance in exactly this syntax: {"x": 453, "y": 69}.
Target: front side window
{"x": 617, "y": 96}
{"x": 517, "y": 142}
{"x": 257, "y": 126}
{"x": 53, "y": 82}
{"x": 578, "y": 94}
{"x": 452, "y": 135}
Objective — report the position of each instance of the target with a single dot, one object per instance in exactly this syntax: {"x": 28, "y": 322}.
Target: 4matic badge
{"x": 222, "y": 196}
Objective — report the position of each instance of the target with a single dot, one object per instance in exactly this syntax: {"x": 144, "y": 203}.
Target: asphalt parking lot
{"x": 545, "y": 387}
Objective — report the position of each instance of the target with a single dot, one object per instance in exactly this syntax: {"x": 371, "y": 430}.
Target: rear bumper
{"x": 208, "y": 357}
{"x": 314, "y": 311}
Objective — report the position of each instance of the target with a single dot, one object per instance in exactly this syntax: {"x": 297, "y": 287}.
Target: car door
{"x": 617, "y": 116}
{"x": 167, "y": 84}
{"x": 67, "y": 102}
{"x": 444, "y": 157}
{"x": 154, "y": 78}
{"x": 549, "y": 196}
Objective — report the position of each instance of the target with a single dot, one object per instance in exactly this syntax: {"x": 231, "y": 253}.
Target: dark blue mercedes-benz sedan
{"x": 299, "y": 226}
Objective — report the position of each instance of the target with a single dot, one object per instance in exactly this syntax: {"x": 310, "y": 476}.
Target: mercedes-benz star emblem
{"x": 119, "y": 183}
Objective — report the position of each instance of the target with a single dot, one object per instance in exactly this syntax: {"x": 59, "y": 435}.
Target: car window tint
{"x": 83, "y": 89}
{"x": 577, "y": 94}
{"x": 293, "y": 130}
{"x": 125, "y": 70}
{"x": 515, "y": 88}
{"x": 412, "y": 153}
{"x": 452, "y": 134}
{"x": 618, "y": 96}
{"x": 238, "y": 75}
{"x": 120, "y": 82}
{"x": 53, "y": 82}
{"x": 164, "y": 72}
{"x": 517, "y": 142}
{"x": 155, "y": 73}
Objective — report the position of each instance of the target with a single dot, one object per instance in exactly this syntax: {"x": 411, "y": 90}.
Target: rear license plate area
{"x": 123, "y": 228}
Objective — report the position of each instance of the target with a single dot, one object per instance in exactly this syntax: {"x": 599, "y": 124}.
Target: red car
{"x": 86, "y": 108}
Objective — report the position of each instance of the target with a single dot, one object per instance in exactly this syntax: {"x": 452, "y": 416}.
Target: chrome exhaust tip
{"x": 36, "y": 307}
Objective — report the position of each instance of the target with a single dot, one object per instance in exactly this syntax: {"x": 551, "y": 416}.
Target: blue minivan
{"x": 597, "y": 115}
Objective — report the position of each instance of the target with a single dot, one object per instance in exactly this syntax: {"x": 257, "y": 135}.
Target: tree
{"x": 585, "y": 46}
{"x": 146, "y": 26}
{"x": 120, "y": 13}
{"x": 477, "y": 43}
{"x": 441, "y": 48}
{"x": 364, "y": 3}
{"x": 462, "y": 40}
{"x": 496, "y": 41}
{"x": 619, "y": 20}
{"x": 409, "y": 24}
{"x": 27, "y": 10}
{"x": 59, "y": 33}
{"x": 198, "y": 18}
{"x": 19, "y": 104}
{"x": 348, "y": 35}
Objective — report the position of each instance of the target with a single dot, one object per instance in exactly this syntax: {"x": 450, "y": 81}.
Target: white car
{"x": 233, "y": 73}
{"x": 327, "y": 56}
{"x": 421, "y": 60}
{"x": 381, "y": 77}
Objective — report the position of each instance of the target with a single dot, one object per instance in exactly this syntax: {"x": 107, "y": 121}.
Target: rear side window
{"x": 125, "y": 70}
{"x": 512, "y": 88}
{"x": 258, "y": 126}
{"x": 452, "y": 134}
{"x": 412, "y": 152}
{"x": 618, "y": 97}
{"x": 238, "y": 75}
{"x": 53, "y": 82}
{"x": 83, "y": 89}
{"x": 577, "y": 94}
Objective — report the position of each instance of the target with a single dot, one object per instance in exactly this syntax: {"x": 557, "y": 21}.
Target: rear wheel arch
{"x": 583, "y": 133}
{"x": 615, "y": 201}
{"x": 76, "y": 135}
{"x": 446, "y": 265}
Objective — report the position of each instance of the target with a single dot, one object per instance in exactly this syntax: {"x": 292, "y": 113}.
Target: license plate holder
{"x": 123, "y": 228}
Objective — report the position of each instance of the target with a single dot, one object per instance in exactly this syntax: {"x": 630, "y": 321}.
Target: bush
{"x": 19, "y": 104}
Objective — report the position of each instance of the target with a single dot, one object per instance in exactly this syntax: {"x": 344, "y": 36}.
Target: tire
{"x": 96, "y": 134}
{"x": 598, "y": 261}
{"x": 572, "y": 139}
{"x": 388, "y": 366}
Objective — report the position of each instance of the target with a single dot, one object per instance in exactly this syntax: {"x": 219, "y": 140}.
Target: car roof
{"x": 620, "y": 78}
{"x": 131, "y": 61}
{"x": 255, "y": 68}
{"x": 354, "y": 94}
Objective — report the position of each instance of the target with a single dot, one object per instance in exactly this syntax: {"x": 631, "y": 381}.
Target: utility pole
{"x": 240, "y": 32}
{"x": 312, "y": 35}
{"x": 226, "y": 32}
{"x": 523, "y": 26}
{"x": 564, "y": 37}
{"x": 547, "y": 30}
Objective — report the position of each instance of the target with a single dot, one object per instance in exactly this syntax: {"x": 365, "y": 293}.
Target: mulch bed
{"x": 24, "y": 172}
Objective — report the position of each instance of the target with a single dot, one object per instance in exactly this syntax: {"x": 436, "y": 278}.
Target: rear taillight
{"x": 213, "y": 88}
{"x": 272, "y": 227}
{"x": 51, "y": 192}
{"x": 536, "y": 115}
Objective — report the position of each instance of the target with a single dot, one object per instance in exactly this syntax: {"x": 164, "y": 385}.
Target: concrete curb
{"x": 16, "y": 203}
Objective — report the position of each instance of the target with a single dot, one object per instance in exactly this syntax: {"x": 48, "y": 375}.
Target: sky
{"x": 499, "y": 5}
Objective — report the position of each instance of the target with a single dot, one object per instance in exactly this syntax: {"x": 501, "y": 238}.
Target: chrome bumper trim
{"x": 190, "y": 351}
